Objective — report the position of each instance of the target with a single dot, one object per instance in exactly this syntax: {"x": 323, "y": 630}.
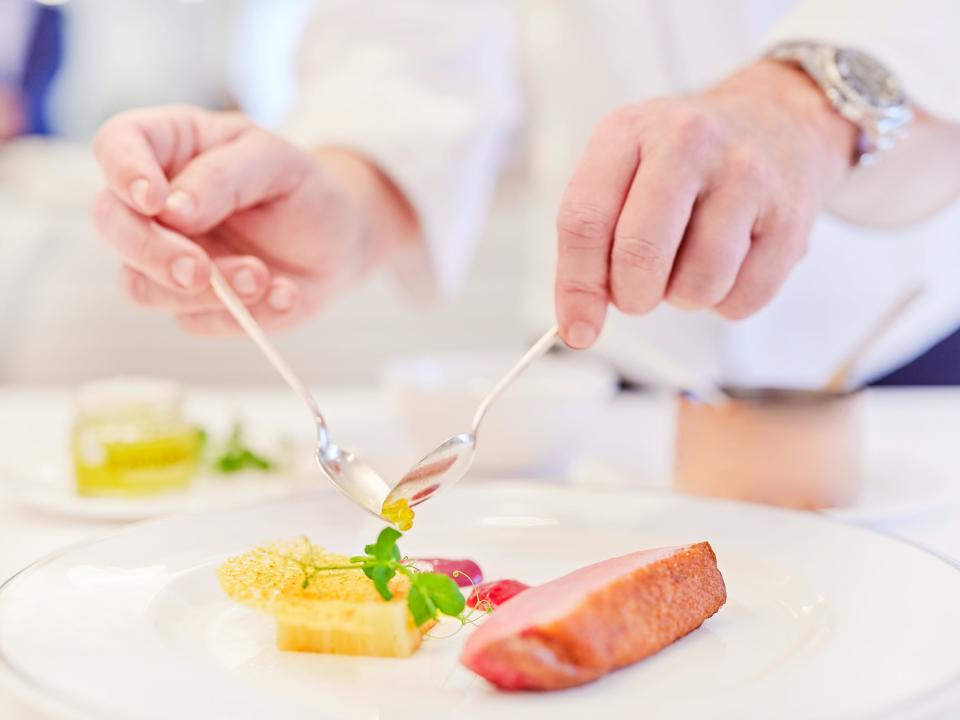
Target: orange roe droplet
{"x": 399, "y": 513}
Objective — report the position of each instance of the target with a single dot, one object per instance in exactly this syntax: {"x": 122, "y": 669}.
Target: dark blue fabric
{"x": 44, "y": 55}
{"x": 940, "y": 365}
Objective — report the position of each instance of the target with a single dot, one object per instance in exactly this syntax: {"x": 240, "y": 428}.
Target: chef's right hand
{"x": 188, "y": 187}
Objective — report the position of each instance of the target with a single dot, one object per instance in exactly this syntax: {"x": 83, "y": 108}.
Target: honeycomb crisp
{"x": 338, "y": 612}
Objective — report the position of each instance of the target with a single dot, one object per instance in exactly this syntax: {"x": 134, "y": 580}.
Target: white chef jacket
{"x": 452, "y": 97}
{"x": 16, "y": 21}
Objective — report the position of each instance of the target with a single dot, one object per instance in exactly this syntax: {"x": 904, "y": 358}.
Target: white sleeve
{"x": 16, "y": 31}
{"x": 428, "y": 91}
{"x": 918, "y": 41}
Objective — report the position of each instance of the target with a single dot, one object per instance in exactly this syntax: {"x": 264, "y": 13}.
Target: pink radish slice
{"x": 464, "y": 572}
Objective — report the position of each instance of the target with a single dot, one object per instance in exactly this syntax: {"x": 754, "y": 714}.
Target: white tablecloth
{"x": 911, "y": 431}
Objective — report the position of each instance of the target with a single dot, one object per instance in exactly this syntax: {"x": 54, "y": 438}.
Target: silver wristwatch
{"x": 861, "y": 89}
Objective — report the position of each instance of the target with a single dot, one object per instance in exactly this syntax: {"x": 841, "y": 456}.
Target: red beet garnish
{"x": 495, "y": 593}
{"x": 463, "y": 572}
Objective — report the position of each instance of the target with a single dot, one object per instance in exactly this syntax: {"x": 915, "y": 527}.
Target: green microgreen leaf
{"x": 421, "y": 607}
{"x": 237, "y": 456}
{"x": 442, "y": 591}
{"x": 386, "y": 548}
{"x": 381, "y": 576}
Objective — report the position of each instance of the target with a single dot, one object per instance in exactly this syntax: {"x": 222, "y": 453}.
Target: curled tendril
{"x": 467, "y": 617}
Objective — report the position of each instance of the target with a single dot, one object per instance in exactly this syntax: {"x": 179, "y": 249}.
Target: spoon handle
{"x": 538, "y": 349}
{"x": 840, "y": 378}
{"x": 240, "y": 313}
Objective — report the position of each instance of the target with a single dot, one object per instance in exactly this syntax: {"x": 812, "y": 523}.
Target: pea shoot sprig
{"x": 430, "y": 593}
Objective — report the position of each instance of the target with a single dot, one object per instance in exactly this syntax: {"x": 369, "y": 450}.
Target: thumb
{"x": 253, "y": 168}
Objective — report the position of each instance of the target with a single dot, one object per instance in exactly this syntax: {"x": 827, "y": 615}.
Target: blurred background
{"x": 65, "y": 67}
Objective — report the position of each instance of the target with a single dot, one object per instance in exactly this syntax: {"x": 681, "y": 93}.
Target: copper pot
{"x": 792, "y": 448}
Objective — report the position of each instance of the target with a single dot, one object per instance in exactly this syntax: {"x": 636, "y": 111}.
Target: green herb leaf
{"x": 386, "y": 548}
{"x": 381, "y": 575}
{"x": 442, "y": 591}
{"x": 236, "y": 456}
{"x": 421, "y": 607}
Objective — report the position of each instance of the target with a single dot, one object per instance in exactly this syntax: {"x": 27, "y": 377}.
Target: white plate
{"x": 824, "y": 620}
{"x": 49, "y": 487}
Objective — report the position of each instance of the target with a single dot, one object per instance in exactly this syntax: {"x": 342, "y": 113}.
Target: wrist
{"x": 388, "y": 224}
{"x": 794, "y": 93}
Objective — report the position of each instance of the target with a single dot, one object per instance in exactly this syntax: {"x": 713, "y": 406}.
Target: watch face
{"x": 868, "y": 79}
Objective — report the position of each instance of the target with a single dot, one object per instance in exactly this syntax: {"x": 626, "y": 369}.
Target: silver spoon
{"x": 352, "y": 476}
{"x": 450, "y": 461}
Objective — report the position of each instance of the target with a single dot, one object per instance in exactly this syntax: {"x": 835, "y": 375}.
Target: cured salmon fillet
{"x": 581, "y": 626}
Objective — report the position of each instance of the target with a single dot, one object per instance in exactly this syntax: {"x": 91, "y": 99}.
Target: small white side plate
{"x": 49, "y": 487}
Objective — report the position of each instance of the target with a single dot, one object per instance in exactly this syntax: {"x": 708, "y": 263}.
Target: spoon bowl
{"x": 355, "y": 480}
{"x": 446, "y": 465}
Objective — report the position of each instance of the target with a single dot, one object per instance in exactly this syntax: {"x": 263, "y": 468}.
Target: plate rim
{"x": 930, "y": 700}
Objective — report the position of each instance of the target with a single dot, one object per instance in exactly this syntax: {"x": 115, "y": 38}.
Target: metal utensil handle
{"x": 838, "y": 380}
{"x": 240, "y": 313}
{"x": 678, "y": 376}
{"x": 538, "y": 349}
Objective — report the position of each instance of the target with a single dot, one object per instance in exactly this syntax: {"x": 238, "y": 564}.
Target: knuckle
{"x": 631, "y": 301}
{"x": 586, "y": 289}
{"x": 583, "y": 227}
{"x": 746, "y": 167}
{"x": 694, "y": 130}
{"x": 632, "y": 253}
{"x": 110, "y": 142}
{"x": 789, "y": 214}
{"x": 622, "y": 118}
{"x": 215, "y": 172}
{"x": 697, "y": 290}
{"x": 794, "y": 249}
{"x": 107, "y": 131}
{"x": 747, "y": 300}
{"x": 737, "y": 310}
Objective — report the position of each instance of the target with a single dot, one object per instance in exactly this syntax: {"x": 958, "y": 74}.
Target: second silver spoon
{"x": 450, "y": 461}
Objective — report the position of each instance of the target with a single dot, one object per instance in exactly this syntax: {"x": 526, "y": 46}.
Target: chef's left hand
{"x": 704, "y": 201}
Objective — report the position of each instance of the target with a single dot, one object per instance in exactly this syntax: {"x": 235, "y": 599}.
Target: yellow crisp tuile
{"x": 339, "y": 611}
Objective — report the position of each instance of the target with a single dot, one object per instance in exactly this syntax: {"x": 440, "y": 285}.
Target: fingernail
{"x": 184, "y": 271}
{"x": 281, "y": 299}
{"x": 138, "y": 193}
{"x": 180, "y": 203}
{"x": 581, "y": 335}
{"x": 245, "y": 282}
